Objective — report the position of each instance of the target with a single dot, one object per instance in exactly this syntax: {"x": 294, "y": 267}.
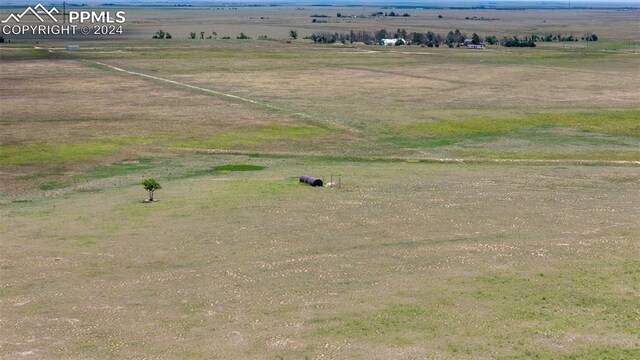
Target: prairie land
{"x": 488, "y": 203}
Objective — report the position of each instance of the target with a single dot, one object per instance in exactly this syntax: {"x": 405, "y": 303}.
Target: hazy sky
{"x": 328, "y": 2}
{"x": 324, "y": 2}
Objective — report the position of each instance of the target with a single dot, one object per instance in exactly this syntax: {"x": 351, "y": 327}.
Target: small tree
{"x": 381, "y": 34}
{"x": 293, "y": 34}
{"x": 151, "y": 185}
{"x": 192, "y": 35}
{"x": 475, "y": 38}
{"x": 491, "y": 40}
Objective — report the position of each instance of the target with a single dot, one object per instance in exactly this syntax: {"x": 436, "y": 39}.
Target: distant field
{"x": 271, "y": 97}
{"x": 488, "y": 204}
{"x": 277, "y": 21}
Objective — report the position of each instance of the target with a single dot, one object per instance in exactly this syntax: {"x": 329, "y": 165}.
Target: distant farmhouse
{"x": 470, "y": 45}
{"x": 392, "y": 42}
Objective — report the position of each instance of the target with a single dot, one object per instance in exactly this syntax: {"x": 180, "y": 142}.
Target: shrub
{"x": 160, "y": 34}
{"x": 151, "y": 185}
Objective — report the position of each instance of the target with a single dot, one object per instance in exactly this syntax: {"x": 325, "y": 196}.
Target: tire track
{"x": 230, "y": 96}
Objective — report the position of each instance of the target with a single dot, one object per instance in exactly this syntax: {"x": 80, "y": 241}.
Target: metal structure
{"x": 332, "y": 184}
{"x": 311, "y": 180}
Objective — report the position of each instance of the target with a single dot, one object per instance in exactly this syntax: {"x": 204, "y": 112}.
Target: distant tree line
{"x": 193, "y": 35}
{"x": 391, "y": 14}
{"x": 372, "y": 15}
{"x": 429, "y": 38}
{"x": 327, "y": 37}
{"x": 451, "y": 39}
{"x": 563, "y": 37}
{"x": 375, "y": 14}
{"x": 517, "y": 42}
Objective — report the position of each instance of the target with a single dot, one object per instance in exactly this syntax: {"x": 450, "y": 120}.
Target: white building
{"x": 392, "y": 42}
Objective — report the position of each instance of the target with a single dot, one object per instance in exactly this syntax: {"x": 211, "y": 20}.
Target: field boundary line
{"x": 231, "y": 96}
{"x": 236, "y": 97}
{"x": 426, "y": 159}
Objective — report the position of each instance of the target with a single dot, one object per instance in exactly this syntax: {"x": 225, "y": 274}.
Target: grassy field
{"x": 488, "y": 207}
{"x": 274, "y": 98}
{"x": 406, "y": 260}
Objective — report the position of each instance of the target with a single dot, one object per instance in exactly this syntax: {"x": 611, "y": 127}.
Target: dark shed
{"x": 311, "y": 180}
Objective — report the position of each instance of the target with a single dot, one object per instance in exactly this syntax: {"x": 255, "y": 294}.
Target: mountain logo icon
{"x": 38, "y": 11}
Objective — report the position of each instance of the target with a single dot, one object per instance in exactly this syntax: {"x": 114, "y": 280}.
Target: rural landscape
{"x": 480, "y": 169}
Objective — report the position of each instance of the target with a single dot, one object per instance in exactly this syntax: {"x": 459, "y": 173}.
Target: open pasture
{"x": 405, "y": 261}
{"x": 489, "y": 204}
{"x": 276, "y": 98}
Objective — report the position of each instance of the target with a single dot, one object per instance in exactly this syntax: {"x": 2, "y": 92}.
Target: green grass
{"x": 51, "y": 185}
{"x": 501, "y": 303}
{"x": 255, "y": 136}
{"x": 551, "y": 155}
{"x": 223, "y": 169}
{"x": 449, "y": 132}
{"x": 614, "y": 45}
{"x": 48, "y": 154}
{"x": 122, "y": 168}
{"x": 387, "y": 324}
{"x": 238, "y": 167}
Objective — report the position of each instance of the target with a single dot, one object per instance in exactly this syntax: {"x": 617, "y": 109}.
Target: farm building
{"x": 392, "y": 42}
{"x": 470, "y": 45}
